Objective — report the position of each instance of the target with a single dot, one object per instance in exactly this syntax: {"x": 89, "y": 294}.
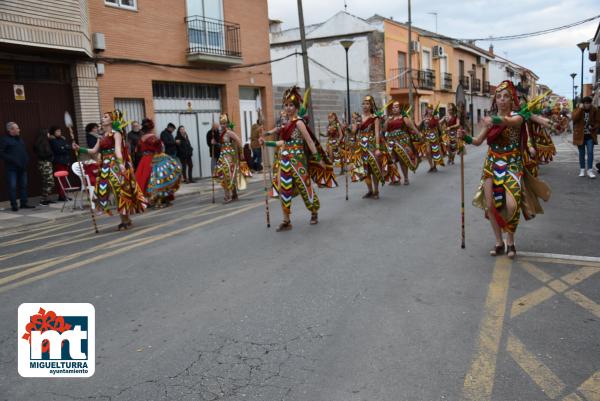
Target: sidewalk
{"x": 10, "y": 220}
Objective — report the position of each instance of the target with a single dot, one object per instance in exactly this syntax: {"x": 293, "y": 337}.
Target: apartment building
{"x": 46, "y": 68}
{"x": 185, "y": 62}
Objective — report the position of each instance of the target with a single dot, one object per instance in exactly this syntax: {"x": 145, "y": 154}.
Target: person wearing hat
{"x": 586, "y": 121}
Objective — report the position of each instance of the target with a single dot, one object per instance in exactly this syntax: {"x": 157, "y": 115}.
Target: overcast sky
{"x": 552, "y": 57}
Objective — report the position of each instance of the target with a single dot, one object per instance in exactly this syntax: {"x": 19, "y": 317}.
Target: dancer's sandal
{"x": 314, "y": 218}
{"x": 122, "y": 226}
{"x": 375, "y": 195}
{"x": 368, "y": 195}
{"x": 498, "y": 250}
{"x": 284, "y": 226}
{"x": 511, "y": 251}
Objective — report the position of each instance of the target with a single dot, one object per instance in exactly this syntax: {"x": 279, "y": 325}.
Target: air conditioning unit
{"x": 481, "y": 60}
{"x": 415, "y": 46}
{"x": 98, "y": 42}
{"x": 438, "y": 51}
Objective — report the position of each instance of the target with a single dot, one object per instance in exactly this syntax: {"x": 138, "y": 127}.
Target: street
{"x": 378, "y": 301}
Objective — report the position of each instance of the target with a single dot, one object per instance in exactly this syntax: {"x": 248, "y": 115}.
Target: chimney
{"x": 491, "y": 50}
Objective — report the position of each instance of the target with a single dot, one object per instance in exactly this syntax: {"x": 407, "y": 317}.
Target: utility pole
{"x": 409, "y": 72}
{"x": 305, "y": 64}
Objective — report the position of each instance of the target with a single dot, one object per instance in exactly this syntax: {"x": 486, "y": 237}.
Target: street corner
{"x": 538, "y": 338}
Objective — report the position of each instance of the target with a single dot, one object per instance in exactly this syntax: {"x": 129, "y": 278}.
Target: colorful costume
{"x": 334, "y": 146}
{"x": 544, "y": 144}
{"x": 399, "y": 143}
{"x": 504, "y": 165}
{"x": 451, "y": 136}
{"x": 111, "y": 182}
{"x": 229, "y": 171}
{"x": 158, "y": 174}
{"x": 293, "y": 171}
{"x": 365, "y": 152}
{"x": 431, "y": 135}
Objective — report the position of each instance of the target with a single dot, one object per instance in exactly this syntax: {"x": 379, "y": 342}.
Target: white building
{"x": 327, "y": 63}
{"x": 502, "y": 69}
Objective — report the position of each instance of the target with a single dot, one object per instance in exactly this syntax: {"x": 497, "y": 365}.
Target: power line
{"x": 521, "y": 35}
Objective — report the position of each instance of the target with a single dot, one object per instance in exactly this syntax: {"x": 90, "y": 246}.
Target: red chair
{"x": 63, "y": 180}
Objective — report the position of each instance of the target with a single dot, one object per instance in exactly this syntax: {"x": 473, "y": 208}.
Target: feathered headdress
{"x": 379, "y": 113}
{"x": 224, "y": 120}
{"x": 292, "y": 95}
{"x": 372, "y": 104}
{"x": 118, "y": 120}
{"x": 510, "y": 87}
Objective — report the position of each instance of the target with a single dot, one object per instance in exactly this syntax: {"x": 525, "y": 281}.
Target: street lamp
{"x": 346, "y": 44}
{"x": 573, "y": 75}
{"x": 582, "y": 46}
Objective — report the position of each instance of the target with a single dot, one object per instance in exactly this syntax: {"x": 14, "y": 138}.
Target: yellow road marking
{"x": 584, "y": 302}
{"x": 539, "y": 373}
{"x": 580, "y": 275}
{"x": 563, "y": 262}
{"x": 536, "y": 272}
{"x": 122, "y": 249}
{"x": 528, "y": 301}
{"x": 591, "y": 387}
{"x": 479, "y": 380}
{"x": 37, "y": 262}
{"x": 573, "y": 397}
{"x": 558, "y": 286}
{"x": 36, "y": 232}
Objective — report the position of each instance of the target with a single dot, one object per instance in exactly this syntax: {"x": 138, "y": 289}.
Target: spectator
{"x": 586, "y": 120}
{"x": 14, "y": 154}
{"x": 62, "y": 157}
{"x": 184, "y": 154}
{"x": 255, "y": 145}
{"x": 45, "y": 157}
{"x": 133, "y": 138}
{"x": 168, "y": 140}
{"x": 91, "y": 134}
{"x": 213, "y": 140}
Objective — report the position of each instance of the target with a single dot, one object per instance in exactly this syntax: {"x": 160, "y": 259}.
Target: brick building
{"x": 180, "y": 62}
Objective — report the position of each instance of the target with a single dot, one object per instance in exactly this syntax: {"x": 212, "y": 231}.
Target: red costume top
{"x": 396, "y": 124}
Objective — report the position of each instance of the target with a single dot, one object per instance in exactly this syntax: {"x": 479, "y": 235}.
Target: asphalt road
{"x": 376, "y": 302}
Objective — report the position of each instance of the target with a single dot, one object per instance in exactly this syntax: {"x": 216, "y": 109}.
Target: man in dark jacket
{"x": 213, "y": 140}
{"x": 14, "y": 154}
{"x": 62, "y": 158}
{"x": 133, "y": 138}
{"x": 169, "y": 141}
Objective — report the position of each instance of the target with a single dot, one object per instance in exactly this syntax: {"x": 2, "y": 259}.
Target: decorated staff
{"x": 69, "y": 124}
{"x": 462, "y": 124}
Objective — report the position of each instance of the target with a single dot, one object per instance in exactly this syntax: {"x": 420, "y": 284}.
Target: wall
{"x": 330, "y": 54}
{"x": 59, "y": 24}
{"x": 157, "y": 32}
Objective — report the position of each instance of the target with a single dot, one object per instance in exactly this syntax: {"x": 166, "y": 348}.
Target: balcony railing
{"x": 486, "y": 86}
{"x": 476, "y": 85}
{"x": 447, "y": 84}
{"x": 464, "y": 80}
{"x": 422, "y": 79}
{"x": 213, "y": 40}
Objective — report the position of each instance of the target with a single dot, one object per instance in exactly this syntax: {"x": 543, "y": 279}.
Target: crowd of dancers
{"x": 379, "y": 146}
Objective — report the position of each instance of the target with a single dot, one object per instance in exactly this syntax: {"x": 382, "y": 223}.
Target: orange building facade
{"x": 184, "y": 63}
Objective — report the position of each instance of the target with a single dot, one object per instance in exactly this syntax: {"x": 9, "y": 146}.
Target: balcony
{"x": 465, "y": 82}
{"x": 213, "y": 41}
{"x": 486, "y": 87}
{"x": 476, "y": 85}
{"x": 422, "y": 79}
{"x": 447, "y": 84}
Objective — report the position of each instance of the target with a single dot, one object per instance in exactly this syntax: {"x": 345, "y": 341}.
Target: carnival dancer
{"x": 369, "y": 144}
{"x": 450, "y": 125}
{"x": 399, "y": 130}
{"x": 158, "y": 174}
{"x": 335, "y": 138}
{"x": 300, "y": 160}
{"x": 430, "y": 129}
{"x": 507, "y": 188}
{"x": 116, "y": 178}
{"x": 545, "y": 144}
{"x": 231, "y": 167}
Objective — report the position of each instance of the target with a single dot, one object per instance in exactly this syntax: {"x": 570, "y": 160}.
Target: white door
{"x": 248, "y": 116}
{"x": 190, "y": 122}
{"x": 205, "y": 121}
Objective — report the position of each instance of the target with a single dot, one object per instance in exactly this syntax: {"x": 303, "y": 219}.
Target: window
{"x": 128, "y": 4}
{"x": 173, "y": 90}
{"x": 426, "y": 60}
